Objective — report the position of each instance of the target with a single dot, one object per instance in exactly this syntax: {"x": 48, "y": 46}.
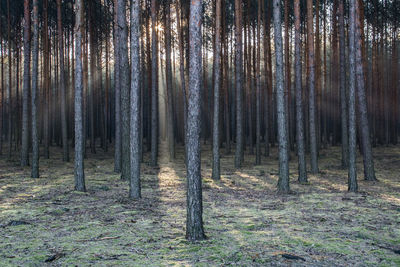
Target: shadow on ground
{"x": 43, "y": 221}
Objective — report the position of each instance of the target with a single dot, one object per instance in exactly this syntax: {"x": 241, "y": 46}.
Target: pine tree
{"x": 25, "y": 94}
{"x": 79, "y": 138}
{"x": 194, "y": 220}
{"x": 283, "y": 182}
{"x": 134, "y": 189}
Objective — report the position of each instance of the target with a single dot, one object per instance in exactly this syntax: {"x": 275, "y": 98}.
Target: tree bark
{"x": 46, "y": 87}
{"x": 9, "y": 93}
{"x": 169, "y": 88}
{"x": 369, "y": 171}
{"x": 217, "y": 77}
{"x": 299, "y": 100}
{"x": 288, "y": 75}
{"x": 117, "y": 89}
{"x": 352, "y": 175}
{"x": 182, "y": 70}
{"x": 311, "y": 87}
{"x": 258, "y": 87}
{"x": 64, "y": 125}
{"x": 343, "y": 97}
{"x": 26, "y": 88}
{"x": 35, "y": 54}
{"x": 194, "y": 221}
{"x": 124, "y": 85}
{"x": 268, "y": 83}
{"x": 283, "y": 182}
{"x": 239, "y": 90}
{"x": 154, "y": 86}
{"x": 93, "y": 75}
{"x": 79, "y": 113}
{"x": 134, "y": 189}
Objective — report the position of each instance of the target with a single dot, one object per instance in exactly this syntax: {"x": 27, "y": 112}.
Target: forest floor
{"x": 43, "y": 221}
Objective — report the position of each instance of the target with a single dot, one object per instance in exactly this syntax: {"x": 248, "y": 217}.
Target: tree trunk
{"x": 35, "y": 53}
{"x": 182, "y": 71}
{"x": 46, "y": 87}
{"x": 217, "y": 76}
{"x": 226, "y": 79}
{"x": 288, "y": 75}
{"x": 343, "y": 97}
{"x": 169, "y": 88}
{"x": 311, "y": 87}
{"x": 64, "y": 125}
{"x": 93, "y": 76}
{"x": 369, "y": 171}
{"x": 134, "y": 189}
{"x": 154, "y": 86}
{"x": 352, "y": 176}
{"x": 117, "y": 89}
{"x": 9, "y": 99}
{"x": 266, "y": 78}
{"x": 194, "y": 220}
{"x": 239, "y": 91}
{"x": 258, "y": 87}
{"x": 79, "y": 113}
{"x": 283, "y": 182}
{"x": 124, "y": 84}
{"x": 299, "y": 100}
{"x": 25, "y": 96}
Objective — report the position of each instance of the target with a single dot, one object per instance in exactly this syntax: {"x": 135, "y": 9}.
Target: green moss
{"x": 246, "y": 221}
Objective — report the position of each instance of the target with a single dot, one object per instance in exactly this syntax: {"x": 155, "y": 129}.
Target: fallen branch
{"x": 55, "y": 257}
{"x": 395, "y": 250}
{"x": 15, "y": 223}
{"x": 292, "y": 257}
{"x": 99, "y": 238}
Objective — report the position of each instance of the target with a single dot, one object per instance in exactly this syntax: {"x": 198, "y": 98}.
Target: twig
{"x": 99, "y": 239}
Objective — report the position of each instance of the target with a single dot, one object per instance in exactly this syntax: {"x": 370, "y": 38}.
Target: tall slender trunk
{"x": 239, "y": 90}
{"x": 106, "y": 96}
{"x": 79, "y": 112}
{"x": 9, "y": 96}
{"x": 64, "y": 126}
{"x": 299, "y": 100}
{"x": 226, "y": 80}
{"x": 271, "y": 99}
{"x": 217, "y": 77}
{"x": 93, "y": 76}
{"x": 369, "y": 171}
{"x": 283, "y": 182}
{"x": 318, "y": 86}
{"x": 194, "y": 220}
{"x": 134, "y": 188}
{"x": 395, "y": 88}
{"x": 266, "y": 42}
{"x": 124, "y": 83}
{"x": 311, "y": 87}
{"x": 352, "y": 175}
{"x": 154, "y": 86}
{"x": 117, "y": 90}
{"x": 324, "y": 94}
{"x": 46, "y": 87}
{"x": 288, "y": 75}
{"x": 149, "y": 74}
{"x": 258, "y": 86}
{"x": 343, "y": 97}
{"x": 182, "y": 69}
{"x": 34, "y": 103}
{"x": 25, "y": 95}
{"x": 169, "y": 88}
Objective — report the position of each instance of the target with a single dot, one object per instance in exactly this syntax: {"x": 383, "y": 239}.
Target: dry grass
{"x": 246, "y": 222}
